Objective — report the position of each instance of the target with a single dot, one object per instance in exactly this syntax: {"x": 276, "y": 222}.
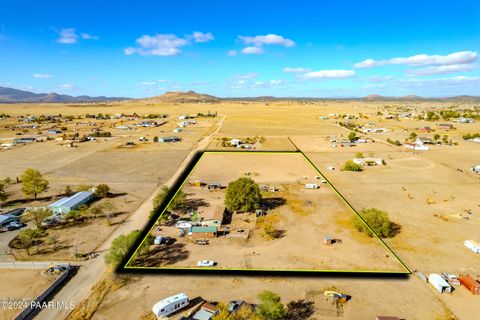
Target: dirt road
{"x": 90, "y": 271}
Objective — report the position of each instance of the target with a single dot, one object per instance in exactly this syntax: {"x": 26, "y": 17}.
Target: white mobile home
{"x": 311, "y": 186}
{"x": 170, "y": 305}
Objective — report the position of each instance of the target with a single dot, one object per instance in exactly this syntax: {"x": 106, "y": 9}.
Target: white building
{"x": 369, "y": 161}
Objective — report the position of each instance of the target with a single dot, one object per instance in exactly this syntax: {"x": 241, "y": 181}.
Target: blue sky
{"x": 241, "y": 48}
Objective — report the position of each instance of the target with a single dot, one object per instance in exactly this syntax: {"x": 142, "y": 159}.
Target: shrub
{"x": 377, "y": 220}
{"x": 351, "y": 166}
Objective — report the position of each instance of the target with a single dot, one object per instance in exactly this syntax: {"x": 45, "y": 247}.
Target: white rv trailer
{"x": 170, "y": 305}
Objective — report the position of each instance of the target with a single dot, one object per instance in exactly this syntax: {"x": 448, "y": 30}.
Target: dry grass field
{"x": 302, "y": 216}
{"x": 426, "y": 192}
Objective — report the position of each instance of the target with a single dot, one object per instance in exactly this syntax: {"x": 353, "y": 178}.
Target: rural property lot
{"x": 302, "y": 218}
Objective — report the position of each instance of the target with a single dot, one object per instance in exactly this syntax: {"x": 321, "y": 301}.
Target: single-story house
{"x": 168, "y": 139}
{"x": 235, "y": 142}
{"x": 369, "y": 161}
{"x": 5, "y": 219}
{"x": 423, "y": 140}
{"x": 464, "y": 120}
{"x": 416, "y": 147}
{"x": 203, "y": 232}
{"x": 54, "y": 131}
{"x": 24, "y": 140}
{"x": 123, "y": 127}
{"x": 425, "y": 129}
{"x": 65, "y": 205}
{"x": 445, "y": 126}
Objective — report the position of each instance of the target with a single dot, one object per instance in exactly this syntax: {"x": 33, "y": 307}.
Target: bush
{"x": 243, "y": 195}
{"x": 394, "y": 142}
{"x": 351, "y": 166}
{"x": 102, "y": 190}
{"x": 377, "y": 220}
{"x": 271, "y": 307}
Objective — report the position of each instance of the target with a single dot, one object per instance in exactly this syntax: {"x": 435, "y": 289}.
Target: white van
{"x": 170, "y": 305}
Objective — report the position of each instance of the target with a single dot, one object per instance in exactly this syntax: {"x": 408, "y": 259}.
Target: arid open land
{"x": 88, "y": 177}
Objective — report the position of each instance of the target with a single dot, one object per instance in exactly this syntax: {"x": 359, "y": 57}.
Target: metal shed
{"x": 65, "y": 205}
{"x": 440, "y": 284}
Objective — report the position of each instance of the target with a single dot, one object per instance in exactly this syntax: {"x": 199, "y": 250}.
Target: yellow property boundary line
{"x": 127, "y": 266}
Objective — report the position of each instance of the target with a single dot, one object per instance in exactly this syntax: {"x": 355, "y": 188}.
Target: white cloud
{"x": 276, "y": 82}
{"x": 42, "y": 75}
{"x": 250, "y": 75}
{"x": 164, "y": 80}
{"x": 296, "y": 70}
{"x": 157, "y": 45}
{"x": 456, "y": 58}
{"x": 87, "y": 36}
{"x": 367, "y": 63}
{"x": 202, "y": 37}
{"x": 68, "y": 36}
{"x": 440, "y": 70}
{"x": 148, "y": 83}
{"x": 67, "y": 86}
{"x": 260, "y": 40}
{"x": 329, "y": 74}
{"x": 252, "y": 50}
{"x": 232, "y": 53}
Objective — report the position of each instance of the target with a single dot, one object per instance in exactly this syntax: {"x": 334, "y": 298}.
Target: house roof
{"x": 73, "y": 200}
{"x": 203, "y": 229}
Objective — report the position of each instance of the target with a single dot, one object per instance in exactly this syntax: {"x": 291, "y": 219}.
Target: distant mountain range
{"x": 10, "y": 95}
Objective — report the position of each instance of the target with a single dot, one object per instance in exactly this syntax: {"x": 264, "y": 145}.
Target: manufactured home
{"x": 203, "y": 232}
{"x": 170, "y": 305}
{"x": 369, "y": 161}
{"x": 312, "y": 186}
{"x": 168, "y": 139}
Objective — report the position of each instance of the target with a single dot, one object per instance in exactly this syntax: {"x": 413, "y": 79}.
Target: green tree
{"x": 352, "y": 136}
{"x": 271, "y": 307}
{"x": 33, "y": 183}
{"x": 3, "y": 192}
{"x": 436, "y": 137}
{"x": 359, "y": 155}
{"x": 155, "y": 139}
{"x": 351, "y": 166}
{"x": 377, "y": 220}
{"x": 243, "y": 194}
{"x": 26, "y": 239}
{"x": 120, "y": 247}
{"x": 102, "y": 190}
{"x": 412, "y": 136}
{"x": 300, "y": 310}
{"x": 196, "y": 217}
{"x": 38, "y": 215}
{"x": 244, "y": 313}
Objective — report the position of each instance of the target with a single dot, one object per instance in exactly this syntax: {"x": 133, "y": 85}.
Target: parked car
{"x": 14, "y": 225}
{"x": 201, "y": 242}
{"x": 206, "y": 263}
{"x": 162, "y": 240}
{"x": 181, "y": 224}
{"x": 234, "y": 305}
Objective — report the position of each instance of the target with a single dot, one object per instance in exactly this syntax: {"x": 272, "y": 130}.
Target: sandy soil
{"x": 305, "y": 218}
{"x": 28, "y": 284}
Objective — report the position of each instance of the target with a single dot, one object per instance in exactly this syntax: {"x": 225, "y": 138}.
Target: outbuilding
{"x": 203, "y": 232}
{"x": 440, "y": 284}
{"x": 65, "y": 205}
{"x": 168, "y": 139}
{"x": 471, "y": 284}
